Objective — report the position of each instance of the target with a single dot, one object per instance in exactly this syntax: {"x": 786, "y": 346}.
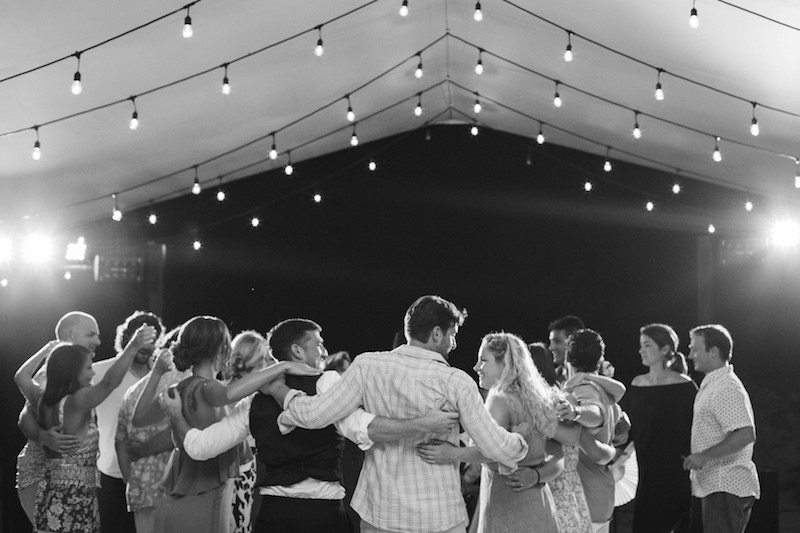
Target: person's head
{"x": 711, "y": 347}
{"x": 543, "y": 360}
{"x": 658, "y": 345}
{"x": 585, "y": 350}
{"x": 202, "y": 339}
{"x": 69, "y": 368}
{"x": 505, "y": 366}
{"x": 297, "y": 339}
{"x": 340, "y": 361}
{"x": 432, "y": 322}
{"x": 560, "y": 330}
{"x": 249, "y": 352}
{"x": 126, "y": 330}
{"x": 79, "y": 328}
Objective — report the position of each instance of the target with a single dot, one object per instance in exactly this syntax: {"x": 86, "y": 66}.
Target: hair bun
{"x": 184, "y": 356}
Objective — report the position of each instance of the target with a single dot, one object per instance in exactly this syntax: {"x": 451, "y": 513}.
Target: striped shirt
{"x": 396, "y": 490}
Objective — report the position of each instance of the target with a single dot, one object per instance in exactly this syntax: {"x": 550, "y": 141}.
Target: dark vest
{"x": 303, "y": 453}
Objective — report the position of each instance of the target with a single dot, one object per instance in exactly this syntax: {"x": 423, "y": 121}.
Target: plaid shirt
{"x": 397, "y": 490}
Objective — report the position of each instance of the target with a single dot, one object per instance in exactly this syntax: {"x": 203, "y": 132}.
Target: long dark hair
{"x": 543, "y": 360}
{"x": 63, "y": 368}
{"x": 202, "y": 338}
{"x": 664, "y": 335}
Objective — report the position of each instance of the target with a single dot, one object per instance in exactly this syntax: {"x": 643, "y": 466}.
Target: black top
{"x": 661, "y": 426}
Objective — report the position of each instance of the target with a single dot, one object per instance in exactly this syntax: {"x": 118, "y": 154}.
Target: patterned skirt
{"x": 67, "y": 499}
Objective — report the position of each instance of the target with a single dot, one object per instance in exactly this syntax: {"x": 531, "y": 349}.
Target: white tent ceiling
{"x": 191, "y": 123}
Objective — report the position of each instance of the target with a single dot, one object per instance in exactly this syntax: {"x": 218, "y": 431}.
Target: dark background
{"x": 466, "y": 218}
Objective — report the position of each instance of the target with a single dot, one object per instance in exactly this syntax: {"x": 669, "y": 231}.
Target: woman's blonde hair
{"x": 249, "y": 351}
{"x": 520, "y": 377}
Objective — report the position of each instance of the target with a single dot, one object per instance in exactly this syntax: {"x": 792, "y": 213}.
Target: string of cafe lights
{"x": 694, "y": 19}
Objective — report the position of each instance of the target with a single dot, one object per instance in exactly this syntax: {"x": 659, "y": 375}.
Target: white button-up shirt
{"x": 397, "y": 490}
{"x": 722, "y": 406}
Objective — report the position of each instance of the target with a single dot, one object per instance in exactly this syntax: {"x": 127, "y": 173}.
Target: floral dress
{"x": 573, "y": 511}
{"x": 67, "y": 499}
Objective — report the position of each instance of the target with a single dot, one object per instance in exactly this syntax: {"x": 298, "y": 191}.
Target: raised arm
{"x": 147, "y": 412}
{"x": 89, "y": 397}
{"x": 24, "y": 375}
{"x": 217, "y": 394}
{"x": 611, "y": 386}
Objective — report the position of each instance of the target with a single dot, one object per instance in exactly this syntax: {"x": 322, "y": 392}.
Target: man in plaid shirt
{"x": 396, "y": 490}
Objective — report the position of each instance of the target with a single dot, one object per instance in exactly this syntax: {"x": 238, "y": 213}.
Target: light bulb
{"x": 76, "y": 84}
{"x": 187, "y": 27}
{"x": 319, "y": 50}
{"x": 351, "y": 116}
{"x": 676, "y": 189}
{"x": 36, "y": 153}
{"x": 196, "y": 187}
{"x": 354, "y": 140}
{"x": 712, "y": 228}
{"x": 273, "y": 152}
{"x": 419, "y": 73}
{"x": 528, "y": 160}
{"x": 748, "y": 205}
{"x": 255, "y": 222}
{"x": 4, "y": 282}
{"x": 226, "y": 86}
{"x": 717, "y": 155}
{"x": 474, "y": 131}
{"x": 479, "y": 67}
{"x": 116, "y": 215}
{"x": 557, "y": 100}
{"x": 568, "y": 53}
{"x": 317, "y": 198}
{"x": 152, "y": 219}
{"x": 797, "y": 182}
{"x": 372, "y": 165}
{"x": 587, "y": 186}
{"x": 67, "y": 275}
{"x": 404, "y": 8}
{"x": 607, "y": 166}
{"x": 540, "y": 137}
{"x": 134, "y": 123}
{"x": 754, "y": 129}
{"x": 197, "y": 245}
{"x": 288, "y": 169}
{"x": 477, "y": 107}
{"x": 694, "y": 22}
{"x": 649, "y": 206}
{"x": 659, "y": 92}
{"x": 418, "y": 110}
{"x": 637, "y": 131}
{"x": 478, "y": 14}
{"x": 221, "y": 195}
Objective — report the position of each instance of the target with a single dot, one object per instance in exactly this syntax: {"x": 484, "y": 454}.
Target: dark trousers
{"x": 299, "y": 515}
{"x": 114, "y": 515}
{"x": 726, "y": 513}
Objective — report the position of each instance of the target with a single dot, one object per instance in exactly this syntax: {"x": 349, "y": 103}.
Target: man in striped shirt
{"x": 396, "y": 490}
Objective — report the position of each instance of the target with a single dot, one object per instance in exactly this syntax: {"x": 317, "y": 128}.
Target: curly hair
{"x": 202, "y": 338}
{"x": 249, "y": 351}
{"x": 521, "y": 378}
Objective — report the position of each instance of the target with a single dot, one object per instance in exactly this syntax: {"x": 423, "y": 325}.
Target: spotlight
{"x": 37, "y": 249}
{"x": 785, "y": 234}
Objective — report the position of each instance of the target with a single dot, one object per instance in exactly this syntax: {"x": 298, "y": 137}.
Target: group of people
{"x": 190, "y": 430}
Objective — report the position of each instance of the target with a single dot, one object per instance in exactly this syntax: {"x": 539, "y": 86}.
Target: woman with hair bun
{"x": 199, "y": 493}
{"x": 661, "y": 406}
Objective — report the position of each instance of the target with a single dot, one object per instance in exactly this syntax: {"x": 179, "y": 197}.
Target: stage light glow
{"x": 76, "y": 251}
{"x": 6, "y": 249}
{"x": 37, "y": 249}
{"x": 785, "y": 234}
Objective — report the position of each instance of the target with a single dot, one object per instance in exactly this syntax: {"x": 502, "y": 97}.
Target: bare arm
{"x": 595, "y": 450}
{"x": 53, "y": 438}
{"x": 733, "y": 442}
{"x": 390, "y": 429}
{"x": 611, "y": 386}
{"x": 160, "y": 442}
{"x": 23, "y": 378}
{"x": 216, "y": 394}
{"x": 147, "y": 412}
{"x": 568, "y": 433}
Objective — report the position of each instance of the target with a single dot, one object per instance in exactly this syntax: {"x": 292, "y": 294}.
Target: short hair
{"x": 716, "y": 336}
{"x": 202, "y": 338}
{"x": 543, "y": 360}
{"x": 664, "y": 335}
{"x": 139, "y": 318}
{"x": 585, "y": 348}
{"x": 569, "y": 324}
{"x": 286, "y": 333}
{"x": 249, "y": 350}
{"x": 430, "y": 311}
{"x": 69, "y": 321}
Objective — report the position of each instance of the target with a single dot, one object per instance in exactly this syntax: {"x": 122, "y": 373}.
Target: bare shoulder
{"x": 640, "y": 381}
{"x": 674, "y": 378}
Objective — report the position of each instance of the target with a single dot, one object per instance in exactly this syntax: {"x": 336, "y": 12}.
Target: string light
{"x": 116, "y": 213}
{"x": 134, "y": 122}
{"x": 754, "y": 129}
{"x": 372, "y": 165}
{"x": 77, "y": 88}
{"x": 540, "y": 135}
{"x": 67, "y": 275}
{"x": 317, "y": 198}
{"x": 354, "y": 137}
{"x": 220, "y": 192}
{"x": 694, "y": 22}
{"x": 568, "y": 49}
{"x": 226, "y": 86}
{"x": 404, "y": 8}
{"x": 717, "y": 155}
{"x": 797, "y": 174}
{"x": 587, "y": 186}
{"x": 255, "y": 222}
{"x": 4, "y": 282}
{"x": 557, "y": 97}
{"x": 288, "y": 169}
{"x": 478, "y": 14}
{"x": 659, "y": 93}
{"x": 607, "y": 164}
{"x": 319, "y": 50}
{"x": 418, "y": 108}
{"x": 637, "y": 131}
{"x": 197, "y": 245}
{"x": 676, "y": 188}
{"x": 351, "y": 116}
{"x": 187, "y": 26}
{"x": 36, "y": 153}
{"x": 748, "y": 206}
{"x": 273, "y": 151}
{"x": 196, "y": 185}
{"x": 474, "y": 130}
{"x": 477, "y": 107}
{"x": 712, "y": 228}
{"x": 427, "y": 134}
{"x": 419, "y": 73}
{"x": 649, "y": 206}
{"x": 528, "y": 160}
{"x": 479, "y": 64}
{"x": 152, "y": 218}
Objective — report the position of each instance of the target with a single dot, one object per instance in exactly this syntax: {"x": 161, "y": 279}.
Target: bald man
{"x": 77, "y": 328}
